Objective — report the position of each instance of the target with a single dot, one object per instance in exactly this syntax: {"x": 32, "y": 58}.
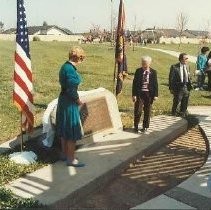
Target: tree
{"x": 182, "y": 21}
{"x": 1, "y": 26}
{"x": 95, "y": 31}
{"x": 45, "y": 23}
{"x": 206, "y": 31}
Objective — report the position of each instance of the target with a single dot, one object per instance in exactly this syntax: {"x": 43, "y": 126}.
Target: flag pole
{"x": 112, "y": 32}
{"x": 114, "y": 79}
{"x": 22, "y": 59}
{"x": 21, "y": 132}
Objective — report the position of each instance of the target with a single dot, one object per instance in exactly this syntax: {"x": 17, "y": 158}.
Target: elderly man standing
{"x": 180, "y": 84}
{"x": 144, "y": 92}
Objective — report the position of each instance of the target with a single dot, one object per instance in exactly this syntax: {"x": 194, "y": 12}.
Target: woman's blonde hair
{"x": 76, "y": 54}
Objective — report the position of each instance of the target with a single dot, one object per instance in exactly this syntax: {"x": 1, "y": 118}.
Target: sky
{"x": 80, "y": 15}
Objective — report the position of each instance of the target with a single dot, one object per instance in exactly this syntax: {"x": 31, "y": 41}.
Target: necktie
{"x": 184, "y": 75}
{"x": 146, "y": 75}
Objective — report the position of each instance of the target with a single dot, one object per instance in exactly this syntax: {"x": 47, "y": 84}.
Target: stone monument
{"x": 99, "y": 115}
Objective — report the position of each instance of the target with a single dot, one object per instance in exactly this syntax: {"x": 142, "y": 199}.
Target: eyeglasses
{"x": 185, "y": 58}
{"x": 82, "y": 58}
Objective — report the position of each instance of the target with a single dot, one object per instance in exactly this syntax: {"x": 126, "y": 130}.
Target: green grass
{"x": 7, "y": 201}
{"x": 8, "y": 172}
{"x": 97, "y": 71}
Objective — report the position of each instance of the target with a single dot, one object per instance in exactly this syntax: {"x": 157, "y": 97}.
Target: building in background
{"x": 44, "y": 33}
{"x": 43, "y": 30}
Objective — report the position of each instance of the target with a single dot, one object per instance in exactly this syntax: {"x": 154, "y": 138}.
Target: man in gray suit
{"x": 180, "y": 84}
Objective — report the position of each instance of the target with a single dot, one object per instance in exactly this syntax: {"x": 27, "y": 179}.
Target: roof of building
{"x": 198, "y": 33}
{"x": 168, "y": 32}
{"x": 34, "y": 29}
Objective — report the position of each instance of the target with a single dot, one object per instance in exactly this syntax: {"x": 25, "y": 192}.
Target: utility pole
{"x": 112, "y": 31}
{"x": 74, "y": 26}
{"x": 134, "y": 31}
{"x": 135, "y": 23}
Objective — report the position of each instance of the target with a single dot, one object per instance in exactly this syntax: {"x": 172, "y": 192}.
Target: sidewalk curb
{"x": 172, "y": 132}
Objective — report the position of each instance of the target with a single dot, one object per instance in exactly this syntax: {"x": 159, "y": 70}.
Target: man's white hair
{"x": 146, "y": 58}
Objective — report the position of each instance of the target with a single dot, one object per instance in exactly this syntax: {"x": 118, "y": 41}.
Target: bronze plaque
{"x": 95, "y": 116}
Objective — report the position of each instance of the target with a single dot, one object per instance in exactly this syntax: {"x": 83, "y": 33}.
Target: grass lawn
{"x": 97, "y": 71}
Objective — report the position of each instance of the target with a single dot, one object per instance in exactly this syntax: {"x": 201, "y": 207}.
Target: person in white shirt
{"x": 180, "y": 85}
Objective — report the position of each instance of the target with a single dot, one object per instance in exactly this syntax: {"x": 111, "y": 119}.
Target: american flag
{"x": 120, "y": 55}
{"x": 23, "y": 87}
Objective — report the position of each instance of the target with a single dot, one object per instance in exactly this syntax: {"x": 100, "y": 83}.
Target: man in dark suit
{"x": 180, "y": 84}
{"x": 144, "y": 92}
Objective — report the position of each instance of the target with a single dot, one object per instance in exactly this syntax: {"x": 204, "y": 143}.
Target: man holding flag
{"x": 120, "y": 56}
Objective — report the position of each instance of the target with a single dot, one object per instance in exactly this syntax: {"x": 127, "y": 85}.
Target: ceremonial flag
{"x": 120, "y": 55}
{"x": 23, "y": 87}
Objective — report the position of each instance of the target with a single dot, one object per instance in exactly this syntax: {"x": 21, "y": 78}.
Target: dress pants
{"x": 181, "y": 97}
{"x": 209, "y": 80}
{"x": 143, "y": 103}
{"x": 200, "y": 80}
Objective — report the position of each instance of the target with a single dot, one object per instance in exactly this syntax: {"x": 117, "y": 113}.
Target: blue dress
{"x": 67, "y": 116}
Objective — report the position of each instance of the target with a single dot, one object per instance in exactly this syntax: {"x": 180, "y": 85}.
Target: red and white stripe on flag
{"x": 23, "y": 87}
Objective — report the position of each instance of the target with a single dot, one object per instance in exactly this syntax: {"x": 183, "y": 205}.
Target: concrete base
{"x": 60, "y": 185}
{"x": 25, "y": 158}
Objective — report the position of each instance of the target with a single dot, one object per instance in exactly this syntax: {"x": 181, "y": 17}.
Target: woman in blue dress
{"x": 68, "y": 124}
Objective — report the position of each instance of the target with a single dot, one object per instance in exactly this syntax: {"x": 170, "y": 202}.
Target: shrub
{"x": 36, "y": 39}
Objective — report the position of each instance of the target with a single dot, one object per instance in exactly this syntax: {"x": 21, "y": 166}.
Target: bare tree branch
{"x": 181, "y": 21}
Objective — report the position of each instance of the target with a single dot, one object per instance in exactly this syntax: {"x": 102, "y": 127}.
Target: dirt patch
{"x": 151, "y": 175}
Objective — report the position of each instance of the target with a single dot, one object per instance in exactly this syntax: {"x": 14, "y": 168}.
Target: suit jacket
{"x": 138, "y": 82}
{"x": 175, "y": 83}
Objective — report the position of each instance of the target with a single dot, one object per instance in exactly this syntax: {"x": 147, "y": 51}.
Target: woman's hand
{"x": 79, "y": 102}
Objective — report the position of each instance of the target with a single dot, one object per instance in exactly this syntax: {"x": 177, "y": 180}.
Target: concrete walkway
{"x": 192, "y": 193}
{"x": 60, "y": 185}
{"x": 172, "y": 53}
